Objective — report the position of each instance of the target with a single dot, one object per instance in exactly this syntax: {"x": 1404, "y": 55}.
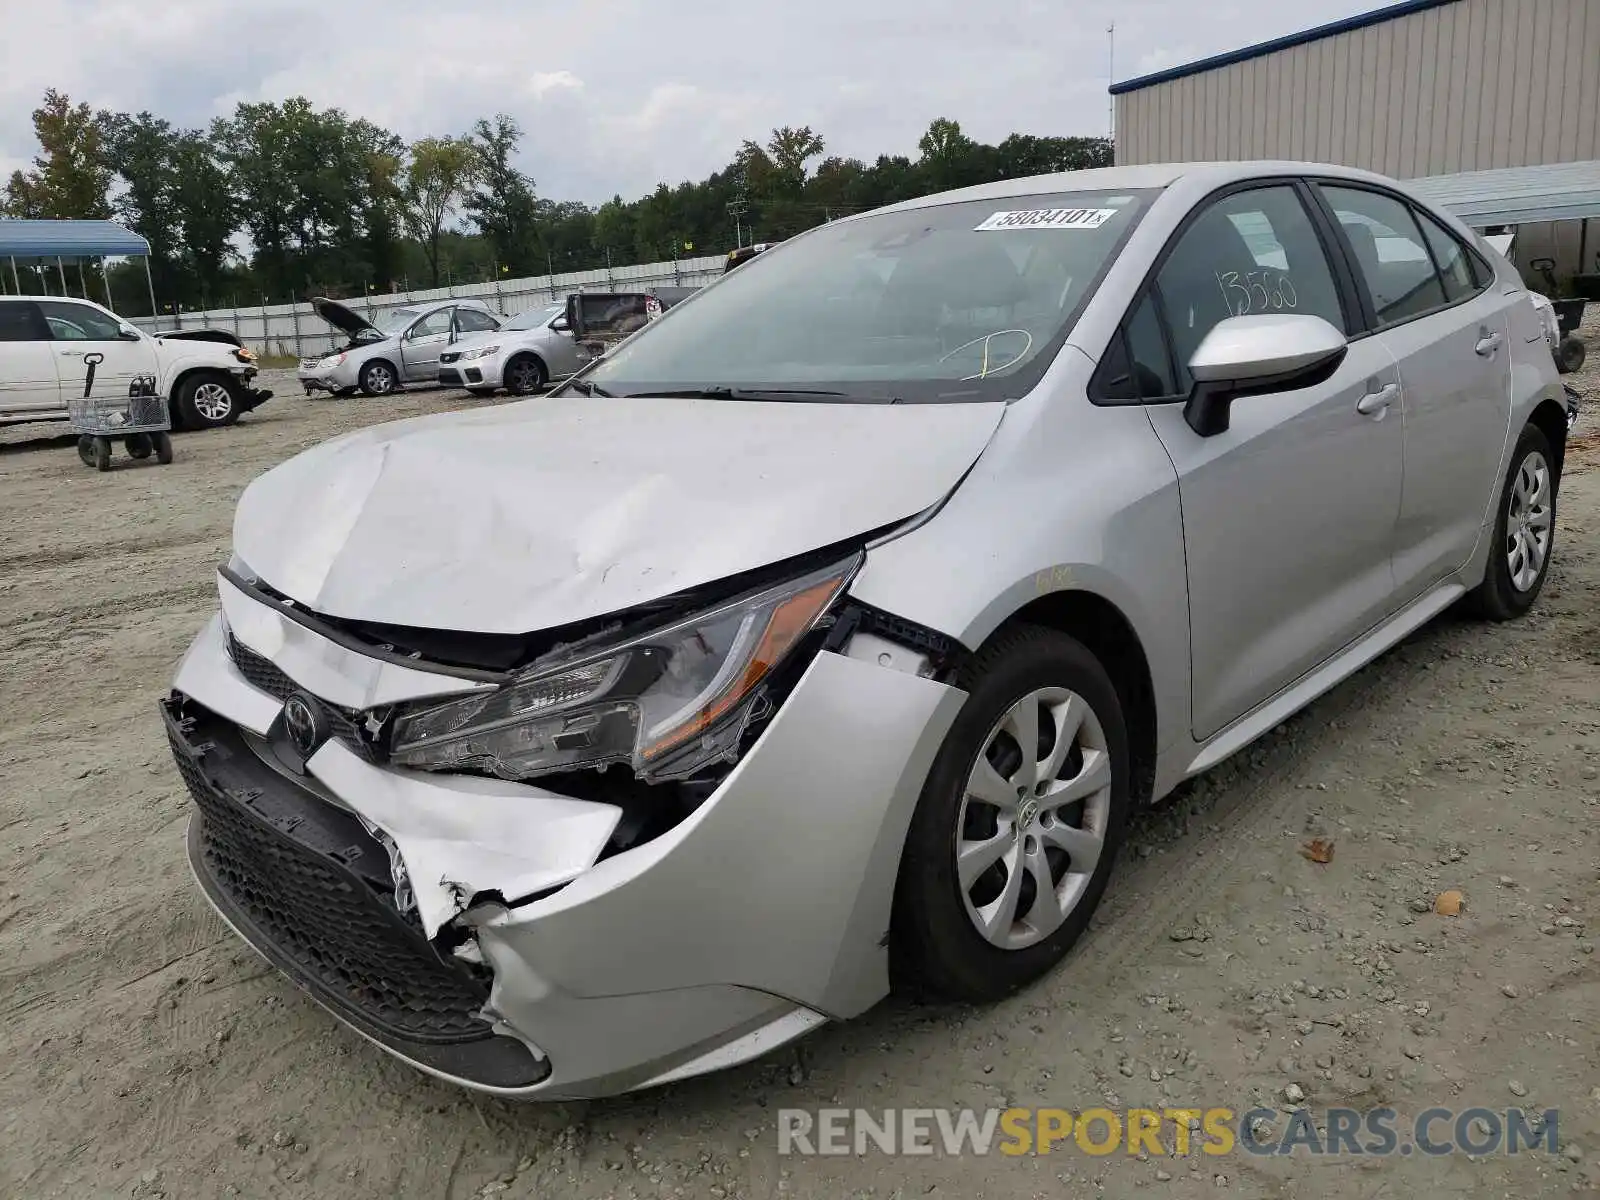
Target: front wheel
{"x": 1524, "y": 532}
{"x": 525, "y": 375}
{"x": 139, "y": 445}
{"x": 102, "y": 454}
{"x": 378, "y": 378}
{"x": 1019, "y": 822}
{"x": 163, "y": 445}
{"x": 86, "y": 450}
{"x": 206, "y": 401}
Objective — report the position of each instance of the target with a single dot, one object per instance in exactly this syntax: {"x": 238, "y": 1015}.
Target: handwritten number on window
{"x": 1257, "y": 292}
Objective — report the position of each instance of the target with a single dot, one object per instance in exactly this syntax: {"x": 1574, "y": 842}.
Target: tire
{"x": 163, "y": 445}
{"x": 139, "y": 445}
{"x": 86, "y": 450}
{"x": 525, "y": 375}
{"x": 482, "y": 393}
{"x": 1511, "y": 581}
{"x": 935, "y": 939}
{"x": 378, "y": 378}
{"x": 1570, "y": 355}
{"x": 102, "y": 454}
{"x": 206, "y": 400}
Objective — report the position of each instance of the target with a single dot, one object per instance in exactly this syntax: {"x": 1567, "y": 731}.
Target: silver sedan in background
{"x": 521, "y": 356}
{"x": 837, "y": 622}
{"x": 395, "y": 348}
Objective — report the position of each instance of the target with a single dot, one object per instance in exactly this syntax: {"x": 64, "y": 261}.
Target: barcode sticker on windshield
{"x": 1049, "y": 218}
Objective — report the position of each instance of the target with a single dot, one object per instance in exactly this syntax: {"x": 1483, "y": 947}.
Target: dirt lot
{"x": 146, "y": 1053}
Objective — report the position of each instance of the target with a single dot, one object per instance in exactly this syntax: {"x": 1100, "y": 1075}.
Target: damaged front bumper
{"x": 480, "y": 929}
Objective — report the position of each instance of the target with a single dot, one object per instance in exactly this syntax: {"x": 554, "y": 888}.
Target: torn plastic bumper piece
{"x": 305, "y": 884}
{"x": 690, "y": 952}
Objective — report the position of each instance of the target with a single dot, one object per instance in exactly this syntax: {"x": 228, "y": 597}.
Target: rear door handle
{"x": 1488, "y": 345}
{"x": 1375, "y": 403}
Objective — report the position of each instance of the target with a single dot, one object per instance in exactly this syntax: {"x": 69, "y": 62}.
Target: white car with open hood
{"x": 843, "y": 615}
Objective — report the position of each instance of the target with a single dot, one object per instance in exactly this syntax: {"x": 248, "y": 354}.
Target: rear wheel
{"x": 1019, "y": 822}
{"x": 139, "y": 445}
{"x": 1524, "y": 532}
{"x": 378, "y": 378}
{"x": 102, "y": 454}
{"x": 525, "y": 375}
{"x": 86, "y": 450}
{"x": 206, "y": 401}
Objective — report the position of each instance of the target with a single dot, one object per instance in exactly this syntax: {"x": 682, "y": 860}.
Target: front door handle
{"x": 1488, "y": 345}
{"x": 1378, "y": 402}
{"x": 72, "y": 354}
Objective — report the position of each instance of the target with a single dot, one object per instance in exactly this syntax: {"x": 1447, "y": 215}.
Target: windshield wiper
{"x": 718, "y": 392}
{"x": 584, "y": 387}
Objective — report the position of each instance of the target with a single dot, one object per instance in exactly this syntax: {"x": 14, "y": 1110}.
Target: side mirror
{"x": 1257, "y": 355}
{"x": 129, "y": 334}
{"x": 561, "y": 325}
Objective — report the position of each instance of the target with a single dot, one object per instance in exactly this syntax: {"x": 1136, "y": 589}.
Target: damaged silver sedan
{"x": 827, "y": 632}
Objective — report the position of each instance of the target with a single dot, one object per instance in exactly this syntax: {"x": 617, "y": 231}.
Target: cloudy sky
{"x": 616, "y": 95}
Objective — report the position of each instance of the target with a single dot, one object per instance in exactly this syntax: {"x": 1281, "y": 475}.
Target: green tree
{"x": 70, "y": 177}
{"x": 442, "y": 172}
{"x": 207, "y": 212}
{"x": 140, "y": 150}
{"x": 503, "y": 205}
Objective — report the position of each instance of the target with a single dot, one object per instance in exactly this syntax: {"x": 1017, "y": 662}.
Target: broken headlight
{"x": 668, "y": 703}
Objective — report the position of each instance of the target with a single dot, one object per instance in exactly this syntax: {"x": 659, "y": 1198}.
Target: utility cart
{"x": 140, "y": 420}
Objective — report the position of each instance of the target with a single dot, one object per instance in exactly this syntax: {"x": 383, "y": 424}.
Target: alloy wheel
{"x": 1033, "y": 818}
{"x": 213, "y": 401}
{"x": 1529, "y": 522}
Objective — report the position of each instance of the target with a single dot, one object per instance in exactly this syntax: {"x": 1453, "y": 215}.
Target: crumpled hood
{"x": 533, "y": 515}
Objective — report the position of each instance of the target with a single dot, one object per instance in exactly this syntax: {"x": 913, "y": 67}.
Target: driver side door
{"x": 1289, "y": 515}
{"x": 422, "y": 344}
{"x": 93, "y": 358}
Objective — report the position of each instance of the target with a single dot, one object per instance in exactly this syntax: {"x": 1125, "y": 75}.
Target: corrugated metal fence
{"x": 295, "y": 330}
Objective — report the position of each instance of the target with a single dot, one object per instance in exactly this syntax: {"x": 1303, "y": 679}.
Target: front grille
{"x": 339, "y": 928}
{"x": 258, "y": 672}
{"x": 449, "y": 375}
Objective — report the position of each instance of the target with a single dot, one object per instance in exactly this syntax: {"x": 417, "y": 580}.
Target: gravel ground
{"x": 147, "y": 1053}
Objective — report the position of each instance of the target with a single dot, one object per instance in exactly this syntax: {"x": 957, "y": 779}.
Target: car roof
{"x": 1132, "y": 178}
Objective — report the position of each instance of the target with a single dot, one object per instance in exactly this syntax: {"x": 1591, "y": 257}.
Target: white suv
{"x": 43, "y": 341}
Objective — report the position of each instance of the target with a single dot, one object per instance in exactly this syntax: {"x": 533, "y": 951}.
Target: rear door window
{"x": 20, "y": 322}
{"x": 1453, "y": 259}
{"x": 1389, "y": 252}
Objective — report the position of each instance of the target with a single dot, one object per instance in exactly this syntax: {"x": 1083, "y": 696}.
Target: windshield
{"x": 534, "y": 317}
{"x": 965, "y": 301}
{"x": 395, "y": 320}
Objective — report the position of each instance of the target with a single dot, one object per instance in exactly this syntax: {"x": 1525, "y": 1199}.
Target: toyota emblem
{"x": 303, "y": 722}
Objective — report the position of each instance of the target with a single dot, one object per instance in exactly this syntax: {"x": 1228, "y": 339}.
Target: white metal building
{"x": 1420, "y": 88}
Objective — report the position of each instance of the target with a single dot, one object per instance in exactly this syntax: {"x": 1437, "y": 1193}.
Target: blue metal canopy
{"x": 69, "y": 239}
